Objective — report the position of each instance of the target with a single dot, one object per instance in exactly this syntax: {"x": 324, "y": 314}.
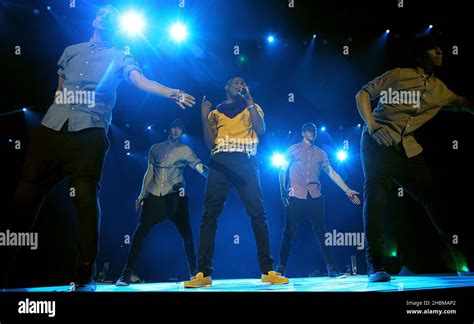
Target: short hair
{"x": 178, "y": 123}
{"x": 232, "y": 79}
{"x": 111, "y": 8}
{"x": 424, "y": 44}
{"x": 308, "y": 127}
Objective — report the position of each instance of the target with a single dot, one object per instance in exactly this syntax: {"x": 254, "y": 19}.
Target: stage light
{"x": 342, "y": 155}
{"x": 465, "y": 269}
{"x": 393, "y": 253}
{"x": 387, "y": 31}
{"x": 359, "y": 125}
{"x": 430, "y": 26}
{"x": 24, "y": 109}
{"x": 279, "y": 160}
{"x": 128, "y": 153}
{"x": 314, "y": 36}
{"x": 178, "y": 32}
{"x": 149, "y": 127}
{"x": 36, "y": 11}
{"x": 270, "y": 39}
{"x": 323, "y": 129}
{"x": 10, "y": 140}
{"x": 48, "y": 7}
{"x": 132, "y": 23}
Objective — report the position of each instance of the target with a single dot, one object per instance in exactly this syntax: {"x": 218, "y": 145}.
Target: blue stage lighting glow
{"x": 387, "y": 31}
{"x": 178, "y": 32}
{"x": 132, "y": 23}
{"x": 270, "y": 39}
{"x": 128, "y": 153}
{"x": 149, "y": 127}
{"x": 24, "y": 109}
{"x": 430, "y": 26}
{"x": 359, "y": 125}
{"x": 279, "y": 160}
{"x": 323, "y": 129}
{"x": 341, "y": 155}
{"x": 314, "y": 36}
{"x": 48, "y": 7}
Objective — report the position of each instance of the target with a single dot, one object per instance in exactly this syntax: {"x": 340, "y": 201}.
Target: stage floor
{"x": 314, "y": 284}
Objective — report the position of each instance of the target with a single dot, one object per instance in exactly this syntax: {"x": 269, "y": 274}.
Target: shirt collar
{"x": 306, "y": 145}
{"x": 103, "y": 44}
{"x": 422, "y": 72}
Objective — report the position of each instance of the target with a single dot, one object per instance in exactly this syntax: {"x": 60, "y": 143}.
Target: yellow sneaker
{"x": 198, "y": 281}
{"x": 275, "y": 278}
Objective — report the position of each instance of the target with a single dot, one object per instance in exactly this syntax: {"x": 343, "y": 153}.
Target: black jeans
{"x": 53, "y": 155}
{"x": 299, "y": 209}
{"x": 382, "y": 166}
{"x": 242, "y": 172}
{"x": 156, "y": 210}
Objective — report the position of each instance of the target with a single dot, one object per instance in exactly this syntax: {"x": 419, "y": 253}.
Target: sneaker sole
{"x": 122, "y": 284}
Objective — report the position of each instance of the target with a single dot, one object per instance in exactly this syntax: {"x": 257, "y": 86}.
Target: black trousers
{"x": 242, "y": 172}
{"x": 156, "y": 210}
{"x": 297, "y": 210}
{"x": 53, "y": 155}
{"x": 382, "y": 166}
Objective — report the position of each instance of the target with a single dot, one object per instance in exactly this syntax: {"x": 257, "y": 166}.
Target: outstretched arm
{"x": 352, "y": 194}
{"x": 141, "y": 82}
{"x": 461, "y": 104}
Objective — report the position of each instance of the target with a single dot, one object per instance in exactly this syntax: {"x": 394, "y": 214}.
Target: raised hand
{"x": 206, "y": 106}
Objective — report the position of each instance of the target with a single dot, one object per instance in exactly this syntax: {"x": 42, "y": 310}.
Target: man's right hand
{"x": 139, "y": 202}
{"x": 381, "y": 135}
{"x": 206, "y": 106}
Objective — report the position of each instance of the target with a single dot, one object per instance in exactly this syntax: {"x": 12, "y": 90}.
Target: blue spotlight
{"x": 314, "y": 36}
{"x": 36, "y": 11}
{"x": 359, "y": 125}
{"x": 10, "y": 140}
{"x": 24, "y": 109}
{"x": 149, "y": 127}
{"x": 132, "y": 23}
{"x": 270, "y": 39}
{"x": 342, "y": 155}
{"x": 430, "y": 26}
{"x": 178, "y": 32}
{"x": 48, "y": 7}
{"x": 323, "y": 129}
{"x": 128, "y": 153}
{"x": 387, "y": 31}
{"x": 279, "y": 160}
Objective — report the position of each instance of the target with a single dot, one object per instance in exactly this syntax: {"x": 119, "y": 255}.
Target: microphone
{"x": 243, "y": 91}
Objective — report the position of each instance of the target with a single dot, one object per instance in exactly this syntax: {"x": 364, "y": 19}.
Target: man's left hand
{"x": 352, "y": 194}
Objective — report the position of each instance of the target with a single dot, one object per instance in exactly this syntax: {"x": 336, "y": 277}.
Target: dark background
{"x": 323, "y": 81}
